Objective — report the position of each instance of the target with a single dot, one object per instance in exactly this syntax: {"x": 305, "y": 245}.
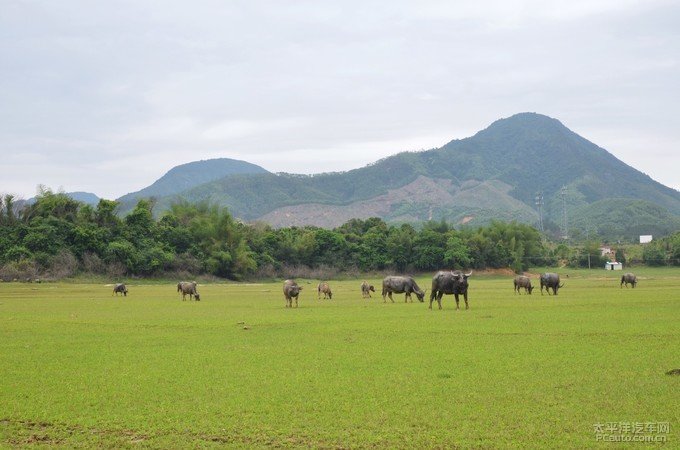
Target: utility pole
{"x": 539, "y": 205}
{"x": 588, "y": 243}
{"x": 565, "y": 229}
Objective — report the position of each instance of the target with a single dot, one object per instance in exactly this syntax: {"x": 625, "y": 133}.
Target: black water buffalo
{"x": 366, "y": 289}
{"x": 120, "y": 288}
{"x": 550, "y": 280}
{"x": 291, "y": 290}
{"x": 401, "y": 285}
{"x": 521, "y": 281}
{"x": 627, "y": 278}
{"x": 450, "y": 282}
{"x": 326, "y": 289}
{"x": 188, "y": 288}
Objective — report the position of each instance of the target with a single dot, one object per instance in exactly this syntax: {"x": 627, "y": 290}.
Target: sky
{"x": 106, "y": 97}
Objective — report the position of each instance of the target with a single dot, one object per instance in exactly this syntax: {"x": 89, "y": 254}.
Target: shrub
{"x": 63, "y": 265}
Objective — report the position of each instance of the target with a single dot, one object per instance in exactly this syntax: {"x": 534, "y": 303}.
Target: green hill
{"x": 494, "y": 174}
{"x": 187, "y": 176}
{"x": 616, "y": 219}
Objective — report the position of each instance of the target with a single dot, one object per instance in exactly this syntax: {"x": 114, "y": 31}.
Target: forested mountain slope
{"x": 495, "y": 174}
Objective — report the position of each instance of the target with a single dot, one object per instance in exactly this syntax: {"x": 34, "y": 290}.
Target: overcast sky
{"x": 106, "y": 97}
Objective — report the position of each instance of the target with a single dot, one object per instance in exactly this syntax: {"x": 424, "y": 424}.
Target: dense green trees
{"x": 56, "y": 234}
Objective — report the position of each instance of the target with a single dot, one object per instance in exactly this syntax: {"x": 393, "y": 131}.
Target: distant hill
{"x": 494, "y": 174}
{"x": 83, "y": 197}
{"x": 616, "y": 217}
{"x": 187, "y": 176}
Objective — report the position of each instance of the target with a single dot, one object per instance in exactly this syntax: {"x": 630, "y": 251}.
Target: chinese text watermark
{"x": 632, "y": 431}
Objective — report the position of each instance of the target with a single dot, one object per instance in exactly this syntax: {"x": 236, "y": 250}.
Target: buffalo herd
{"x": 452, "y": 282}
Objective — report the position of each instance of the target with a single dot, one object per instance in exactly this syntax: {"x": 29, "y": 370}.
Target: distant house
{"x": 645, "y": 238}
{"x": 613, "y": 265}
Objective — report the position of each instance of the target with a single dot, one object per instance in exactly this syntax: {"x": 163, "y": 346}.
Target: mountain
{"x": 187, "y": 176}
{"x": 495, "y": 174}
{"x": 83, "y": 197}
{"x": 616, "y": 217}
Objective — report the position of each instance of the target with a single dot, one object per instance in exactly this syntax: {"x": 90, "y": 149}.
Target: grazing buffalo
{"x": 188, "y": 288}
{"x": 450, "y": 282}
{"x": 401, "y": 285}
{"x": 291, "y": 290}
{"x": 326, "y": 289}
{"x": 628, "y": 278}
{"x": 550, "y": 280}
{"x": 120, "y": 288}
{"x": 523, "y": 282}
{"x": 366, "y": 289}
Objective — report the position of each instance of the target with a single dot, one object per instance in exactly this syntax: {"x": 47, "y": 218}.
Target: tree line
{"x": 56, "y": 236}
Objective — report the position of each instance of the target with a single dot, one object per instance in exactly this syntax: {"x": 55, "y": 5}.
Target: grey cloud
{"x": 148, "y": 85}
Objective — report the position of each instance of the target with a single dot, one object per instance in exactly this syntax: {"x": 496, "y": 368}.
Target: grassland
{"x": 80, "y": 368}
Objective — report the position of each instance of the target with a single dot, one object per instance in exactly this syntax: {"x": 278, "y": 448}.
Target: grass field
{"x": 80, "y": 368}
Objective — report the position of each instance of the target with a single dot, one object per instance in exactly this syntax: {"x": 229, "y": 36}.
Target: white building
{"x": 645, "y": 238}
{"x": 613, "y": 265}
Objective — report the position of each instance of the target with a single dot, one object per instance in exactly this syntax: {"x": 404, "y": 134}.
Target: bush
{"x": 186, "y": 263}
{"x": 121, "y": 252}
{"x": 17, "y": 253}
{"x": 654, "y": 255}
{"x": 19, "y": 271}
{"x": 63, "y": 265}
{"x": 93, "y": 264}
{"x": 115, "y": 270}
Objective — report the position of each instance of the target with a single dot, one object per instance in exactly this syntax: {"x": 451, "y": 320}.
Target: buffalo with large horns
{"x": 450, "y": 282}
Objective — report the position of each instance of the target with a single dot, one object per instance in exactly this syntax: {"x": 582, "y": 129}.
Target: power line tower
{"x": 565, "y": 222}
{"x": 539, "y": 205}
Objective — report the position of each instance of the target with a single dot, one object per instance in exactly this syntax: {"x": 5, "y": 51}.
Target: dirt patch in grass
{"x": 28, "y": 433}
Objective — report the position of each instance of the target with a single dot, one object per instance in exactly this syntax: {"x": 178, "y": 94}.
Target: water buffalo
{"x": 523, "y": 282}
{"x": 188, "y": 288}
{"x": 450, "y": 282}
{"x": 326, "y": 289}
{"x": 366, "y": 289}
{"x": 550, "y": 280}
{"x": 291, "y": 290}
{"x": 628, "y": 278}
{"x": 401, "y": 285}
{"x": 120, "y": 288}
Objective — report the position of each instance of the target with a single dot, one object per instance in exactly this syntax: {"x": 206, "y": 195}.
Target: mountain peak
{"x": 527, "y": 121}
{"x": 495, "y": 174}
{"x": 192, "y": 174}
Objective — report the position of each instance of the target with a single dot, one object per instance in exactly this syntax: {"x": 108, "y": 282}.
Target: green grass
{"x": 81, "y": 368}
